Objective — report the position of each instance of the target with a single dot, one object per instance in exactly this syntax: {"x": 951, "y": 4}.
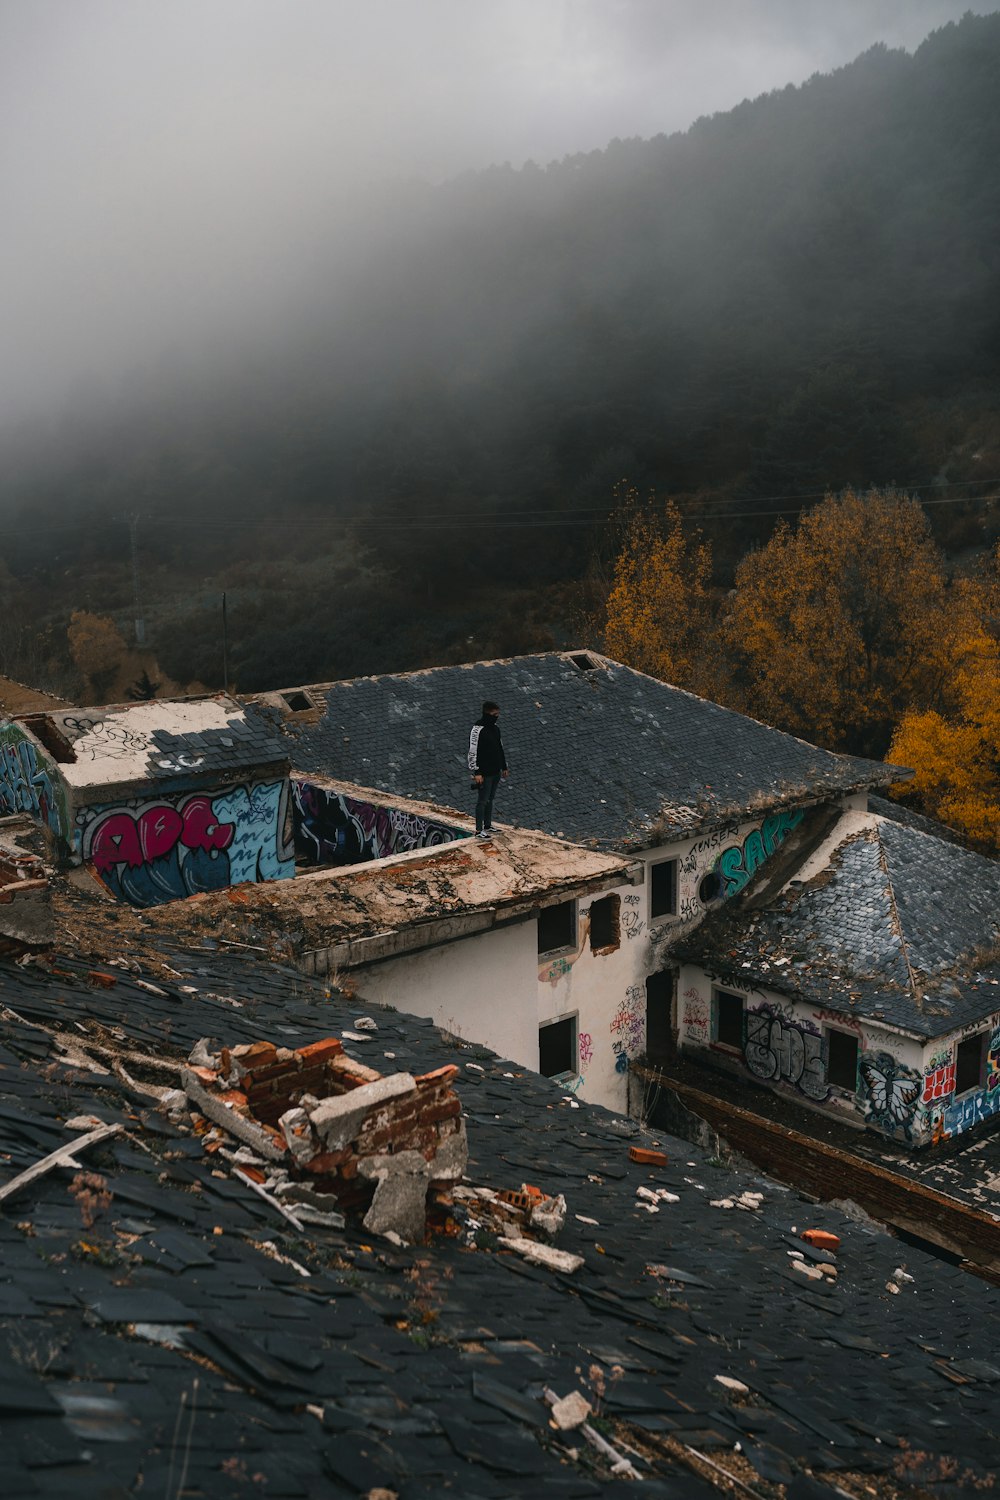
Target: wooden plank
{"x": 65, "y": 1156}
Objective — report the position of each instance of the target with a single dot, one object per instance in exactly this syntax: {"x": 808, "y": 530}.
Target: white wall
{"x": 785, "y": 1046}
{"x": 480, "y": 987}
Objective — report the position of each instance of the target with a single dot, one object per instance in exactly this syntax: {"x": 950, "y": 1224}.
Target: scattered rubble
{"x": 322, "y": 1135}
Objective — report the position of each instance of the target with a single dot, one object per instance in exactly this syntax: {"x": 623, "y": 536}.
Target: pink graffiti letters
{"x": 123, "y": 838}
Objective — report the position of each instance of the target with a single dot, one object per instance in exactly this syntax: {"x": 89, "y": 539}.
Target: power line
{"x": 466, "y": 519}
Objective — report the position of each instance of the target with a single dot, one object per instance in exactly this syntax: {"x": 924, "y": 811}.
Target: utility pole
{"x": 225, "y": 648}
{"x": 140, "y": 626}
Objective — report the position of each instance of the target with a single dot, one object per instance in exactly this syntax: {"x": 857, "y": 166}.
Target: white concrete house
{"x": 866, "y": 985}
{"x": 606, "y": 759}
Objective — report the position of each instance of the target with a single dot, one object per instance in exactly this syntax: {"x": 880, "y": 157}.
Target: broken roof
{"x": 370, "y": 911}
{"x": 883, "y": 921}
{"x": 187, "y": 1339}
{"x": 599, "y": 753}
{"x": 98, "y": 748}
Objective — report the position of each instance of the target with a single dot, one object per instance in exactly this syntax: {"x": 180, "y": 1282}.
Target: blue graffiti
{"x": 25, "y": 784}
{"x": 737, "y": 863}
{"x": 334, "y": 829}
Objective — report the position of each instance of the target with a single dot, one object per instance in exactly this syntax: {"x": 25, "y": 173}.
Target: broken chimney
{"x": 385, "y": 1149}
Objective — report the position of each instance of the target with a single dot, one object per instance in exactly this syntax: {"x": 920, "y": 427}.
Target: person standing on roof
{"x": 488, "y": 764}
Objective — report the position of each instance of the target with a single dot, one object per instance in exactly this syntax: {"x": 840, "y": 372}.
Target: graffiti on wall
{"x": 740, "y": 861}
{"x": 699, "y": 854}
{"x": 628, "y": 1027}
{"x": 939, "y": 1083}
{"x": 973, "y": 1108}
{"x": 695, "y": 1015}
{"x": 631, "y": 923}
{"x": 148, "y": 852}
{"x": 782, "y": 1050}
{"x": 334, "y": 829}
{"x": 26, "y": 782}
{"x": 586, "y": 1048}
{"x": 890, "y": 1091}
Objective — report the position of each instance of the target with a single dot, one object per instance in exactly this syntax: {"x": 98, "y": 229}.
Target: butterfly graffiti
{"x": 892, "y": 1093}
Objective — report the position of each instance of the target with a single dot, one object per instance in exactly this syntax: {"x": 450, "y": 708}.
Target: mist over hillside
{"x": 412, "y": 448}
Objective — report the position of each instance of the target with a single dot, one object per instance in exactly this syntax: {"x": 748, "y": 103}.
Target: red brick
{"x": 647, "y": 1158}
{"x": 439, "y": 1075}
{"x": 329, "y": 1161}
{"x": 317, "y": 1052}
{"x": 821, "y": 1238}
{"x": 433, "y": 1113}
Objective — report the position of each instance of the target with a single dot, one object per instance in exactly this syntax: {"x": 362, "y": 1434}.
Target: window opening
{"x": 663, "y": 888}
{"x": 557, "y": 927}
{"x": 583, "y": 662}
{"x": 710, "y": 888}
{"x": 557, "y": 1047}
{"x": 659, "y": 1001}
{"x": 970, "y": 1057}
{"x": 729, "y": 1019}
{"x": 297, "y": 702}
{"x": 842, "y": 1060}
{"x": 605, "y": 926}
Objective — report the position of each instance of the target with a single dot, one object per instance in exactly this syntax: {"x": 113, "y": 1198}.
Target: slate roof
{"x": 164, "y": 742}
{"x": 177, "y": 1344}
{"x": 606, "y": 756}
{"x": 887, "y": 922}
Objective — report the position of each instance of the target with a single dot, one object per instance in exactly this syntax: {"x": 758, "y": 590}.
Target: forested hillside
{"x": 799, "y": 295}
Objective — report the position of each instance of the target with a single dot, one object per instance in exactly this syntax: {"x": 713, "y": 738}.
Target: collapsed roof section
{"x": 600, "y": 754}
{"x": 369, "y": 912}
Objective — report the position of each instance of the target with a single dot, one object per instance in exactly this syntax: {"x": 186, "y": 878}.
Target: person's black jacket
{"x": 486, "y": 757}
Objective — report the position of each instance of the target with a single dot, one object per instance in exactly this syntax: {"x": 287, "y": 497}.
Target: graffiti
{"x": 973, "y": 1108}
{"x": 631, "y": 923}
{"x": 695, "y": 1015}
{"x": 785, "y": 1051}
{"x": 939, "y": 1083}
{"x": 25, "y": 782}
{"x": 891, "y": 1091}
{"x": 553, "y": 972}
{"x": 570, "y": 1085}
{"x": 586, "y": 1048}
{"x": 334, "y": 829}
{"x": 103, "y": 741}
{"x": 737, "y": 863}
{"x": 151, "y": 852}
{"x": 690, "y": 907}
{"x": 181, "y": 763}
{"x": 628, "y": 1027}
{"x": 632, "y": 900}
{"x": 699, "y": 852}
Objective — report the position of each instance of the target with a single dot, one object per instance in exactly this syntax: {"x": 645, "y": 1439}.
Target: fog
{"x": 179, "y": 177}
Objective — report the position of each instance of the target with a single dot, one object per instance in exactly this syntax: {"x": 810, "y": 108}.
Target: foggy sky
{"x": 167, "y": 166}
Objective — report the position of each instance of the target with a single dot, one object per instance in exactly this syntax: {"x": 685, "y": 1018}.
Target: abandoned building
{"x": 158, "y": 800}
{"x": 868, "y": 984}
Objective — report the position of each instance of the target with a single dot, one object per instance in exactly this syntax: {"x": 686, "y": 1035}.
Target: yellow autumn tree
{"x": 846, "y": 621}
{"x": 658, "y": 613}
{"x": 955, "y": 754}
{"x": 97, "y": 648}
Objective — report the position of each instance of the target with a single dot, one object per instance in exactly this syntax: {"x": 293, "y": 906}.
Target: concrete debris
{"x": 901, "y": 1276}
{"x": 322, "y": 1136}
{"x": 544, "y": 1255}
{"x": 365, "y": 1023}
{"x": 549, "y": 1215}
{"x": 812, "y": 1273}
{"x": 84, "y": 1122}
{"x": 730, "y": 1384}
{"x": 571, "y": 1411}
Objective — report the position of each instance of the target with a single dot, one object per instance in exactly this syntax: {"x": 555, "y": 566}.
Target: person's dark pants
{"x": 486, "y": 791}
